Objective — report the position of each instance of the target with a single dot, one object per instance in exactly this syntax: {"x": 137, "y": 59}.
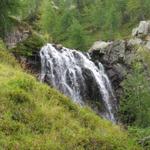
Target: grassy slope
{"x": 34, "y": 116}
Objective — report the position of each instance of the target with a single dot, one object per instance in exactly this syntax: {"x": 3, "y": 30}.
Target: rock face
{"x": 19, "y": 34}
{"x": 116, "y": 57}
{"x": 99, "y": 45}
{"x": 142, "y": 30}
{"x": 141, "y": 35}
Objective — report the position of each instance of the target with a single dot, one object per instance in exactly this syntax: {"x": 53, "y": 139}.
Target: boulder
{"x": 148, "y": 45}
{"x": 113, "y": 52}
{"x": 142, "y": 30}
{"x": 141, "y": 35}
{"x": 99, "y": 45}
{"x": 135, "y": 41}
{"x": 117, "y": 58}
{"x": 58, "y": 46}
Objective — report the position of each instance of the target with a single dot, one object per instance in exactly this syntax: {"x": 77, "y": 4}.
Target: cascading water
{"x": 75, "y": 75}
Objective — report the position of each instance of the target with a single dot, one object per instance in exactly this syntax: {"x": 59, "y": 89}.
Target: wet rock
{"x": 99, "y": 45}
{"x": 114, "y": 52}
{"x": 117, "y": 58}
{"x": 58, "y": 46}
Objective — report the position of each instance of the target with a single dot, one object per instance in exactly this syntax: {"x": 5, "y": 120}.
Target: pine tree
{"x": 77, "y": 36}
{"x": 7, "y": 8}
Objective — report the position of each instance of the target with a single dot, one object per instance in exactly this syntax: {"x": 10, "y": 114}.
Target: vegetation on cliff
{"x": 135, "y": 101}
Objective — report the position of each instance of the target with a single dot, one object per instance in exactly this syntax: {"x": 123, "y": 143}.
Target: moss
{"x": 35, "y": 116}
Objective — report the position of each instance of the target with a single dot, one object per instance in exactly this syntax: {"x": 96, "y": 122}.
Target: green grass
{"x": 34, "y": 116}
{"x": 142, "y": 136}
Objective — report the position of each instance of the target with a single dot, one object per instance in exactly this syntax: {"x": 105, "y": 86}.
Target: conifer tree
{"x": 7, "y": 8}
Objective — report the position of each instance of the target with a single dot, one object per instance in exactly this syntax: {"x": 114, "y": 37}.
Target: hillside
{"x": 85, "y": 50}
{"x": 34, "y": 116}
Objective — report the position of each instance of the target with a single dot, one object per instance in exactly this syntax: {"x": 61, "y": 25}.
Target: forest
{"x": 75, "y": 23}
{"x": 35, "y": 114}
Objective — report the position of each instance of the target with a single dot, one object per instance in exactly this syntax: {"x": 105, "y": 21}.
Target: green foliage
{"x": 135, "y": 104}
{"x": 2, "y": 45}
{"x": 7, "y": 7}
{"x": 21, "y": 9}
{"x": 31, "y": 45}
{"x": 110, "y": 19}
{"x": 29, "y": 8}
{"x": 5, "y": 57}
{"x": 138, "y": 9}
{"x": 105, "y": 20}
{"x": 48, "y": 17}
{"x": 35, "y": 116}
{"x": 142, "y": 136}
{"x": 77, "y": 36}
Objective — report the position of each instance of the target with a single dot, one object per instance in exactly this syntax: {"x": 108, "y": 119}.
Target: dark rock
{"x": 117, "y": 58}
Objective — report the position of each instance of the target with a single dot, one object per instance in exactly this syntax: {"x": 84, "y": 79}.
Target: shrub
{"x": 135, "y": 104}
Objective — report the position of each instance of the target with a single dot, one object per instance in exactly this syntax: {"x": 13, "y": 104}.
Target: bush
{"x": 135, "y": 104}
{"x": 142, "y": 136}
{"x": 30, "y": 46}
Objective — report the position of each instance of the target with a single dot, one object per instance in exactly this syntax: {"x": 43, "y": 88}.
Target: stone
{"x": 120, "y": 70}
{"x": 148, "y": 45}
{"x": 114, "y": 52}
{"x": 134, "y": 32}
{"x": 142, "y": 30}
{"x": 135, "y": 41}
{"x": 58, "y": 46}
{"x": 117, "y": 58}
{"x": 99, "y": 45}
{"x": 147, "y": 38}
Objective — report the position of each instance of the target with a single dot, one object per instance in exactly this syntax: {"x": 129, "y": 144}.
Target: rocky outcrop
{"x": 141, "y": 35}
{"x": 27, "y": 50}
{"x": 99, "y": 45}
{"x": 142, "y": 30}
{"x": 17, "y": 35}
{"x": 117, "y": 57}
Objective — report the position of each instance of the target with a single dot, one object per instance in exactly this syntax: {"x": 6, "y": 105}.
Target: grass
{"x": 34, "y": 116}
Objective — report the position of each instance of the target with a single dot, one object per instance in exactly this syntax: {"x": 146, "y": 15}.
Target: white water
{"x": 74, "y": 74}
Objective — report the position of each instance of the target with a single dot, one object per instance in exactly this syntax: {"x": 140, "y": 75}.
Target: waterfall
{"x": 74, "y": 74}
